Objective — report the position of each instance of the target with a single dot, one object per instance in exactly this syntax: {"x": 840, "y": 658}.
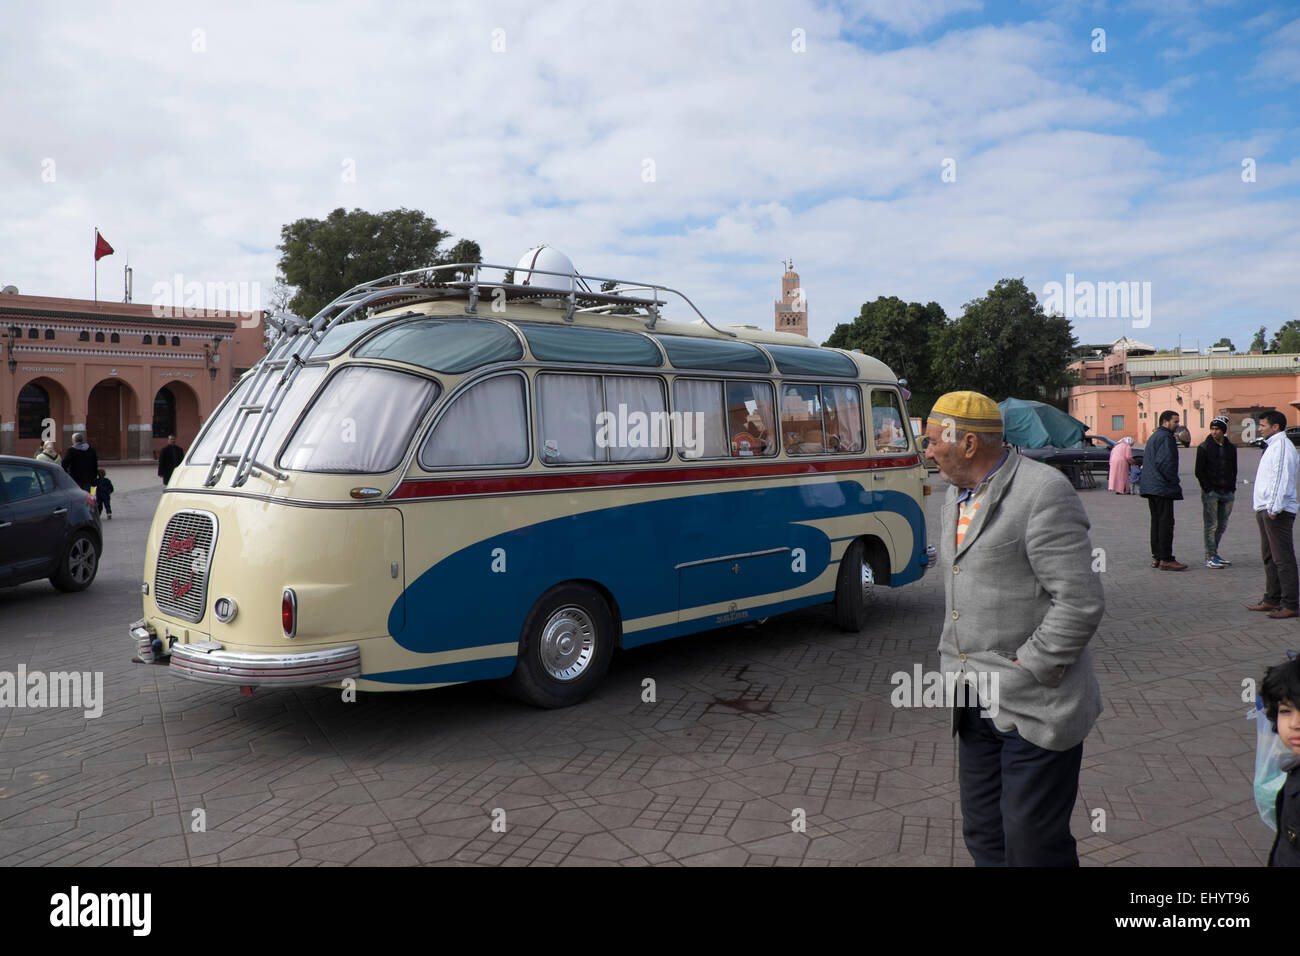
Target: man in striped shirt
{"x": 1275, "y": 511}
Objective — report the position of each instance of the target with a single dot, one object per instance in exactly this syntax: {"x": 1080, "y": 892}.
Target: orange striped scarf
{"x": 966, "y": 512}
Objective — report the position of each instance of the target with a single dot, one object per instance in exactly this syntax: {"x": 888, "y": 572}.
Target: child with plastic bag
{"x": 1277, "y": 759}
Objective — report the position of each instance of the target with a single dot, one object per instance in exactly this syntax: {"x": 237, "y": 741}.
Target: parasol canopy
{"x": 1031, "y": 424}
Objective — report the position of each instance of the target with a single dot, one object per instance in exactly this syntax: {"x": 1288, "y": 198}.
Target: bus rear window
{"x": 290, "y": 405}
{"x": 361, "y": 422}
{"x": 445, "y": 345}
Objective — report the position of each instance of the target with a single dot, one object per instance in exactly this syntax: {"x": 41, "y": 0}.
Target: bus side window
{"x": 843, "y": 419}
{"x": 750, "y": 422}
{"x": 601, "y": 418}
{"x": 697, "y": 404}
{"x": 568, "y": 408}
{"x": 485, "y": 425}
{"x": 801, "y": 420}
{"x": 887, "y": 422}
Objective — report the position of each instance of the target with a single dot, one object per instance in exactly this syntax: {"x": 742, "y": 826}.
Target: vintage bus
{"x": 442, "y": 479}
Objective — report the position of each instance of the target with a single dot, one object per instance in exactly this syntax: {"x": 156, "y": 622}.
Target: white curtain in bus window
{"x": 361, "y": 422}
{"x": 843, "y": 419}
{"x": 486, "y": 425}
{"x": 750, "y": 420}
{"x": 304, "y": 384}
{"x": 638, "y": 416}
{"x": 887, "y": 422}
{"x": 566, "y": 422}
{"x": 698, "y": 405}
{"x": 801, "y": 420}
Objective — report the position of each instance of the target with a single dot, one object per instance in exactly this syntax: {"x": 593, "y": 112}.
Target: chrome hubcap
{"x": 568, "y": 643}
{"x": 81, "y": 562}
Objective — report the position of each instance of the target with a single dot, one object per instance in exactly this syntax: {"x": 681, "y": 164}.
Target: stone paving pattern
{"x": 751, "y": 724}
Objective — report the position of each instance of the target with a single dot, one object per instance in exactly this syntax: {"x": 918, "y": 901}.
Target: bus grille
{"x": 181, "y": 579}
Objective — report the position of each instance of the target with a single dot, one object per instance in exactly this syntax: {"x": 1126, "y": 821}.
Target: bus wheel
{"x": 565, "y": 647}
{"x": 853, "y": 589}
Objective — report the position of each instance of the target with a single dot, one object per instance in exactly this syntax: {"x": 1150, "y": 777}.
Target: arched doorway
{"x": 110, "y": 407}
{"x": 175, "y": 412}
{"x": 41, "y": 413}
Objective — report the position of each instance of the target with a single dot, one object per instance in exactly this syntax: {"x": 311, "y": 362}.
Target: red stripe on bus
{"x": 559, "y": 481}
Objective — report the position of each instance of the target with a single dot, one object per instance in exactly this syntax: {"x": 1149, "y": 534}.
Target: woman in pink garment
{"x": 1121, "y": 457}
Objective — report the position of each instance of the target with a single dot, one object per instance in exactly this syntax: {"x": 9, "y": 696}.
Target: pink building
{"x": 117, "y": 372}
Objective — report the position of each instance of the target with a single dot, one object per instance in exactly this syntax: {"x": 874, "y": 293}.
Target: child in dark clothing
{"x": 104, "y": 494}
{"x": 1280, "y": 692}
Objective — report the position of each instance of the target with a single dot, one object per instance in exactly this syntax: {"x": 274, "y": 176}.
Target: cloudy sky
{"x": 922, "y": 149}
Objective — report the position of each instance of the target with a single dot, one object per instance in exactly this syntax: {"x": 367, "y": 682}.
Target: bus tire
{"x": 564, "y": 648}
{"x": 853, "y": 589}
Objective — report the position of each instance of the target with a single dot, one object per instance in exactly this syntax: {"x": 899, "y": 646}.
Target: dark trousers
{"x": 1016, "y": 798}
{"x": 1275, "y": 546}
{"x": 104, "y": 502}
{"x": 1162, "y": 528}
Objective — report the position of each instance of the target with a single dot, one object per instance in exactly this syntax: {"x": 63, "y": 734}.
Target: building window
{"x": 99, "y": 336}
{"x": 1117, "y": 423}
{"x": 164, "y": 413}
{"x": 84, "y": 336}
{"x": 49, "y": 334}
{"x": 33, "y": 409}
{"x": 33, "y": 333}
{"x": 176, "y": 341}
{"x": 115, "y": 338}
{"x": 1202, "y": 411}
{"x": 148, "y": 340}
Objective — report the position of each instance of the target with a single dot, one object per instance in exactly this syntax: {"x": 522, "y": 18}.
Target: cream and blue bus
{"x": 442, "y": 478}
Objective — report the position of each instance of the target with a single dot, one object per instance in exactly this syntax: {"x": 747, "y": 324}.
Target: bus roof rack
{"x": 296, "y": 339}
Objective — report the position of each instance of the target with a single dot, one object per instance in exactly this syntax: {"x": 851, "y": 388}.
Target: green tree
{"x": 1005, "y": 346}
{"x": 1257, "y": 343}
{"x": 1287, "y": 338}
{"x": 323, "y": 258}
{"x": 1222, "y": 342}
{"x": 901, "y": 335}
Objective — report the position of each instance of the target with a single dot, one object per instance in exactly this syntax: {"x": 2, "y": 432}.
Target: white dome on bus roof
{"x": 548, "y": 259}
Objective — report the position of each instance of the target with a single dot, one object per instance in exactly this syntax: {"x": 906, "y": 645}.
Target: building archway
{"x": 110, "y": 407}
{"x": 42, "y": 411}
{"x": 175, "y": 412}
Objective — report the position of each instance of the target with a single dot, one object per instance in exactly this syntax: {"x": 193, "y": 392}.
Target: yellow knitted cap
{"x": 968, "y": 412}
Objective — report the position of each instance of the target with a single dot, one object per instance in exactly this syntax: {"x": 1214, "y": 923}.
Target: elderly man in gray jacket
{"x": 1022, "y": 603}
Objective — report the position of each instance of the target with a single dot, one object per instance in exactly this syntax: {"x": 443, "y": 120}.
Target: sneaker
{"x": 1215, "y": 563}
{"x": 1223, "y": 561}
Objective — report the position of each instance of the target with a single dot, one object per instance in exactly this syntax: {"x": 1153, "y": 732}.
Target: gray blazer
{"x": 1022, "y": 587}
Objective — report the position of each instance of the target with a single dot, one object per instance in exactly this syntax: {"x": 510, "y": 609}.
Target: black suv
{"x": 49, "y": 527}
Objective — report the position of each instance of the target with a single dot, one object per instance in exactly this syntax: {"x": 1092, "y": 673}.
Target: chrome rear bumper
{"x": 210, "y": 663}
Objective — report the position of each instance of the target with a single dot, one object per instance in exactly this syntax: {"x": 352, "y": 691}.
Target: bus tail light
{"x": 289, "y": 612}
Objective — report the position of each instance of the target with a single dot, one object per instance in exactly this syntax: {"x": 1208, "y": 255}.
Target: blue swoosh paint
{"x": 633, "y": 551}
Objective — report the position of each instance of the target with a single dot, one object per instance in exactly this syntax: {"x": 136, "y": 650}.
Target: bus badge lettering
{"x": 178, "y": 545}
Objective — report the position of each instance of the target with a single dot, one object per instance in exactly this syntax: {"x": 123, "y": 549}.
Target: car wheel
{"x": 79, "y": 564}
{"x": 564, "y": 649}
{"x": 853, "y": 589}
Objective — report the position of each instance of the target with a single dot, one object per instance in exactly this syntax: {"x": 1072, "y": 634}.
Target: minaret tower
{"x": 792, "y": 309}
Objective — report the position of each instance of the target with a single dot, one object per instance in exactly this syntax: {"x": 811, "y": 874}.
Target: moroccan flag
{"x": 102, "y": 248}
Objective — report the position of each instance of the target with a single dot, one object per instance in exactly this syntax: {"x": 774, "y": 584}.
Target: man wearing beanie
{"x": 1022, "y": 602}
{"x": 1216, "y": 470}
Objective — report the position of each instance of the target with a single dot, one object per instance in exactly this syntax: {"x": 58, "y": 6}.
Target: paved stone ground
{"x": 751, "y": 724}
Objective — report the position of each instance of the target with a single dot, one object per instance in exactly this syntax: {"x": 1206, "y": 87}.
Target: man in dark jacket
{"x": 169, "y": 458}
{"x": 1216, "y": 470}
{"x": 1161, "y": 488}
{"x": 81, "y": 462}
